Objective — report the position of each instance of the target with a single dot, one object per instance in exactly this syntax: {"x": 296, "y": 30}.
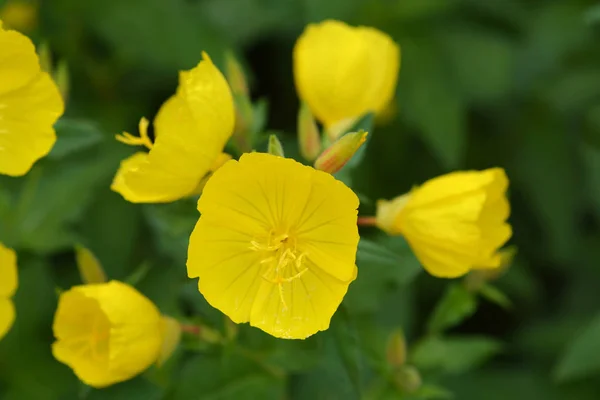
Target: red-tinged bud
{"x": 309, "y": 137}
{"x": 340, "y": 152}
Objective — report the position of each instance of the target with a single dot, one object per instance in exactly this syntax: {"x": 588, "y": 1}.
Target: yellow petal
{"x": 191, "y": 128}
{"x": 275, "y": 238}
{"x": 90, "y": 269}
{"x": 7, "y": 316}
{"x": 309, "y": 303}
{"x": 8, "y": 272}
{"x": 18, "y": 61}
{"x": 344, "y": 72}
{"x": 171, "y": 332}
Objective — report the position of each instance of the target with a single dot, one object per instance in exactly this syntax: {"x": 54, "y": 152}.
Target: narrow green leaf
{"x": 384, "y": 262}
{"x": 74, "y": 135}
{"x": 453, "y": 355}
{"x": 580, "y": 358}
{"x": 494, "y": 295}
{"x": 456, "y": 305}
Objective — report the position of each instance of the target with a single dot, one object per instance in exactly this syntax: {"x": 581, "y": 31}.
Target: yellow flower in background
{"x": 19, "y": 14}
{"x": 107, "y": 333}
{"x": 30, "y": 104}
{"x": 191, "y": 129}
{"x": 454, "y": 223}
{"x": 343, "y": 72}
{"x": 8, "y": 286}
{"x": 275, "y": 244}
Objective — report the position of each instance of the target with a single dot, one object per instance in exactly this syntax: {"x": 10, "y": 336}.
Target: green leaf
{"x": 173, "y": 224}
{"x": 53, "y": 196}
{"x": 382, "y": 264}
{"x": 225, "y": 376}
{"x": 579, "y": 359}
{"x": 431, "y": 102}
{"x": 482, "y": 61}
{"x": 453, "y": 355}
{"x": 348, "y": 345}
{"x": 433, "y": 392}
{"x": 493, "y": 294}
{"x": 74, "y": 135}
{"x": 456, "y": 305}
{"x": 135, "y": 389}
{"x": 329, "y": 380}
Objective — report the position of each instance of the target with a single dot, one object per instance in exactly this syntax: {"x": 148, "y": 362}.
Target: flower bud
{"x": 235, "y": 75}
{"x": 408, "y": 379}
{"x": 340, "y": 152}
{"x": 275, "y": 146}
{"x": 19, "y": 15}
{"x": 396, "y": 349}
{"x": 89, "y": 267}
{"x": 309, "y": 137}
{"x": 107, "y": 333}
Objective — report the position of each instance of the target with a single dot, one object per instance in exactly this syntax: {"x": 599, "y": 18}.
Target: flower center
{"x": 285, "y": 263}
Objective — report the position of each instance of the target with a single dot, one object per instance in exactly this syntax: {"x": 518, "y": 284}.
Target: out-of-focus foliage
{"x": 510, "y": 83}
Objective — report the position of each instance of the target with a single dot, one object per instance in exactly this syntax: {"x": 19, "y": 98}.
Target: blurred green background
{"x": 483, "y": 83}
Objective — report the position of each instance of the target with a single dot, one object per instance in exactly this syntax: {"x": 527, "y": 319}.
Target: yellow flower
{"x": 8, "y": 286}
{"x": 454, "y": 223}
{"x": 343, "y": 72}
{"x": 30, "y": 104}
{"x": 191, "y": 129}
{"x": 275, "y": 244}
{"x": 107, "y": 333}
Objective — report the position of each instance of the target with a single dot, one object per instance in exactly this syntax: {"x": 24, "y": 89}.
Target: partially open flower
{"x": 191, "y": 129}
{"x": 453, "y": 223}
{"x": 107, "y": 333}
{"x": 275, "y": 244}
{"x": 343, "y": 72}
{"x": 8, "y": 286}
{"x": 30, "y": 104}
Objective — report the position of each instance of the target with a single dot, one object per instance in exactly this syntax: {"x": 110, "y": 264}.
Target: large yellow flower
{"x": 275, "y": 244}
{"x": 30, "y": 104}
{"x": 454, "y": 223}
{"x": 107, "y": 333}
{"x": 8, "y": 286}
{"x": 191, "y": 129}
{"x": 343, "y": 72}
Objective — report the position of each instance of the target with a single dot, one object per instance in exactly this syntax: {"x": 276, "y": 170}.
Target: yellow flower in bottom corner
{"x": 275, "y": 244}
{"x": 30, "y": 104}
{"x": 107, "y": 333}
{"x": 8, "y": 286}
{"x": 191, "y": 129}
{"x": 453, "y": 223}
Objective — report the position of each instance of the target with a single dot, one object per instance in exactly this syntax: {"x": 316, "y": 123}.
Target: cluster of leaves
{"x": 483, "y": 83}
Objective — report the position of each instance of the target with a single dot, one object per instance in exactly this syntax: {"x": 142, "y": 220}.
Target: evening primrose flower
{"x": 275, "y": 244}
{"x": 30, "y": 104}
{"x": 191, "y": 129}
{"x": 343, "y": 72}
{"x": 454, "y": 223}
{"x": 107, "y": 333}
{"x": 8, "y": 286}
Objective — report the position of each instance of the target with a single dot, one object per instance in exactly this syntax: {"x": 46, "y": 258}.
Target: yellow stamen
{"x": 142, "y": 140}
{"x": 282, "y": 253}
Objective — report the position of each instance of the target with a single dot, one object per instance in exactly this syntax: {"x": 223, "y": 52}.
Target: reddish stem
{"x": 367, "y": 221}
{"x": 191, "y": 329}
